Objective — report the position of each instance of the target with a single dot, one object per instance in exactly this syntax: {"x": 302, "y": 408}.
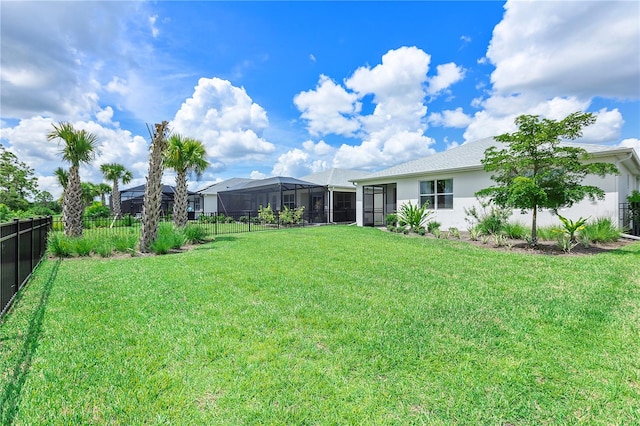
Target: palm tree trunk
{"x": 73, "y": 205}
{"x": 153, "y": 190}
{"x": 115, "y": 199}
{"x": 180, "y": 201}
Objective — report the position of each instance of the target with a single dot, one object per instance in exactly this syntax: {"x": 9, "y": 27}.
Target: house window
{"x": 342, "y": 200}
{"x": 439, "y": 193}
{"x": 289, "y": 200}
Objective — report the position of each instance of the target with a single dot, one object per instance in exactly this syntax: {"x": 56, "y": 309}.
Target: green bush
{"x": 391, "y": 219}
{"x": 549, "y": 233}
{"x": 168, "y": 238}
{"x": 600, "y": 230}
{"x": 103, "y": 247}
{"x": 243, "y": 219}
{"x": 433, "y": 226}
{"x": 490, "y": 219}
{"x": 83, "y": 246}
{"x": 59, "y": 245}
{"x": 5, "y": 213}
{"x": 266, "y": 214}
{"x": 124, "y": 243}
{"x": 414, "y": 216}
{"x": 515, "y": 230}
{"x": 291, "y": 216}
{"x": 96, "y": 209}
{"x": 194, "y": 233}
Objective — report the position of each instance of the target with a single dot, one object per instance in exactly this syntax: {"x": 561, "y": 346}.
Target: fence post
{"x": 249, "y": 221}
{"x": 31, "y": 239}
{"x": 16, "y": 284}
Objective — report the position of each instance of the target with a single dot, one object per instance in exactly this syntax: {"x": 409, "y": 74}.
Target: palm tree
{"x": 103, "y": 190}
{"x": 153, "y": 189}
{"x": 184, "y": 155}
{"x": 116, "y": 172}
{"x": 79, "y": 147}
{"x": 63, "y": 179}
{"x": 89, "y": 192}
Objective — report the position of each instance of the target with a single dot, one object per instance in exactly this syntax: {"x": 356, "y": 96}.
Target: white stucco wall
{"x": 210, "y": 203}
{"x": 467, "y": 183}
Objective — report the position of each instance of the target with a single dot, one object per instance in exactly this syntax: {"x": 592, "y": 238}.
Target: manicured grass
{"x": 328, "y": 325}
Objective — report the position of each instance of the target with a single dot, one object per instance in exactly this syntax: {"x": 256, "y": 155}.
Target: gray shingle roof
{"x": 225, "y": 185}
{"x": 335, "y": 177}
{"x": 464, "y": 156}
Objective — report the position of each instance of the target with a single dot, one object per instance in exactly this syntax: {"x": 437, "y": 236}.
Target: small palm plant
{"x": 571, "y": 227}
{"x": 415, "y": 217}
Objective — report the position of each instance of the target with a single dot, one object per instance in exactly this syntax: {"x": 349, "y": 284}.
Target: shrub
{"x": 291, "y": 216}
{"x": 414, "y": 216}
{"x": 168, "y": 238}
{"x": 601, "y": 230}
{"x": 489, "y": 218}
{"x": 5, "y": 213}
{"x": 104, "y": 247}
{"x": 474, "y": 233}
{"x": 455, "y": 232}
{"x": 433, "y": 226}
{"x": 59, "y": 244}
{"x": 195, "y": 233}
{"x": 266, "y": 214}
{"x": 96, "y": 209}
{"x": 83, "y": 246}
{"x": 243, "y": 219}
{"x": 391, "y": 219}
{"x": 515, "y": 230}
{"x": 230, "y": 219}
{"x": 571, "y": 227}
{"x": 123, "y": 243}
{"x": 549, "y": 233}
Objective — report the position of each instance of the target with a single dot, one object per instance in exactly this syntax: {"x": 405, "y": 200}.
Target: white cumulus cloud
{"x": 225, "y": 119}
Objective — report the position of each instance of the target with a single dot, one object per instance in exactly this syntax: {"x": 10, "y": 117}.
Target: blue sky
{"x": 292, "y": 88}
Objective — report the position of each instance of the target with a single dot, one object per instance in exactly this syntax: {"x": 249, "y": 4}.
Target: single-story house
{"x": 132, "y": 199}
{"x": 450, "y": 179}
{"x": 341, "y": 192}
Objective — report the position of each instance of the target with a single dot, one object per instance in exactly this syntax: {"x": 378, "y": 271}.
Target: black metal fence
{"x": 23, "y": 244}
{"x": 630, "y": 217}
{"x": 213, "y": 223}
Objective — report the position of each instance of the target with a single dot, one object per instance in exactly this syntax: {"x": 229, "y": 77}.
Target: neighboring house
{"x": 132, "y": 199}
{"x": 210, "y": 193}
{"x": 341, "y": 192}
{"x": 243, "y": 197}
{"x": 449, "y": 180}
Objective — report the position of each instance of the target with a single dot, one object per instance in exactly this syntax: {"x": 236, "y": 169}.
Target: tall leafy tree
{"x": 153, "y": 189}
{"x": 78, "y": 147}
{"x": 116, "y": 172}
{"x": 535, "y": 171}
{"x": 17, "y": 181}
{"x": 184, "y": 155}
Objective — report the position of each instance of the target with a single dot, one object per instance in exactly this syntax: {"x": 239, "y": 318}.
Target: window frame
{"x": 428, "y": 196}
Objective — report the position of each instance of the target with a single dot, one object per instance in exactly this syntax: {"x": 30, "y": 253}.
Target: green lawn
{"x": 328, "y": 325}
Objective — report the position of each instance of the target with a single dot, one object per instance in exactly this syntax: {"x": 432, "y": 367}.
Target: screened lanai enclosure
{"x": 278, "y": 192}
{"x": 132, "y": 199}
